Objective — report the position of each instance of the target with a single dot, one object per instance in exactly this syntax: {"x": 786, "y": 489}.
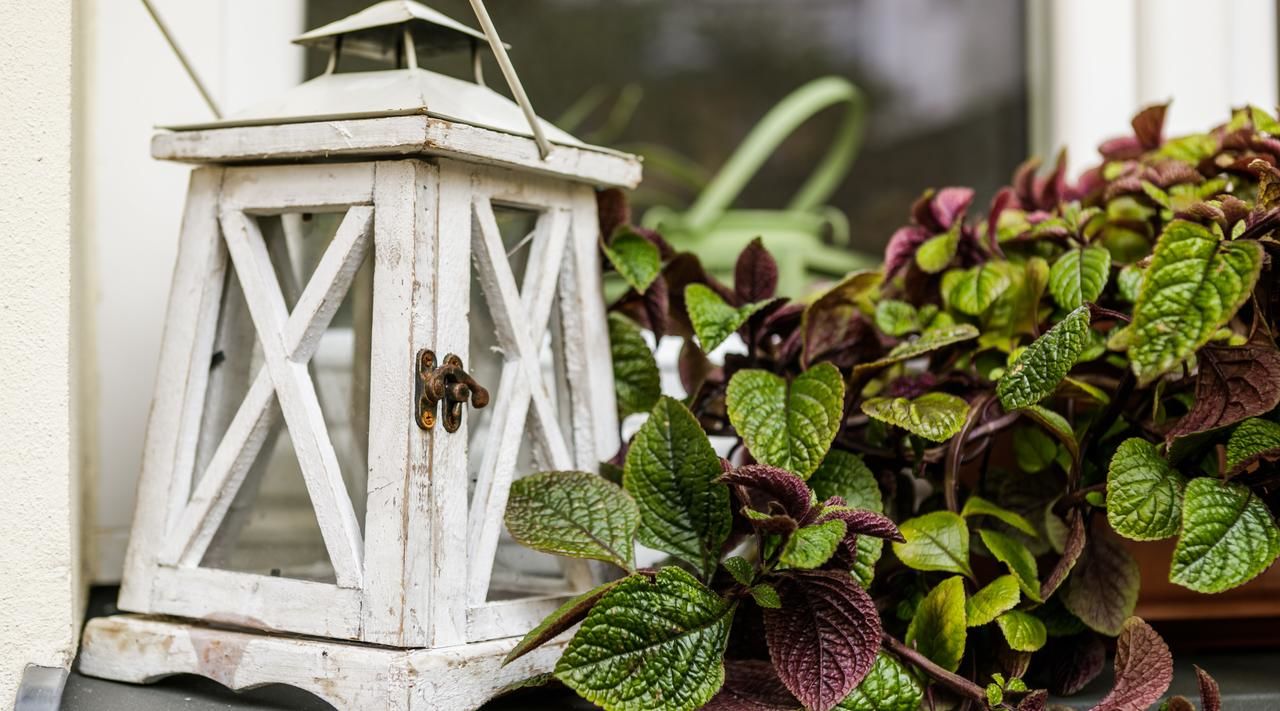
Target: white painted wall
{"x": 133, "y": 205}
{"x": 40, "y": 591}
{"x": 1094, "y": 63}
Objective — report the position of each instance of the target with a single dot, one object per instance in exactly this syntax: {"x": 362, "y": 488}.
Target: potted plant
{"x": 1005, "y": 403}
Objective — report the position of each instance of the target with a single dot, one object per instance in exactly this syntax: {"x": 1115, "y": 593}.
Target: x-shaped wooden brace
{"x": 289, "y": 340}
{"x": 520, "y": 318}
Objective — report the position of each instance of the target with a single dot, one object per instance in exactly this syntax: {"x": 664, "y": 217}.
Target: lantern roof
{"x": 381, "y": 32}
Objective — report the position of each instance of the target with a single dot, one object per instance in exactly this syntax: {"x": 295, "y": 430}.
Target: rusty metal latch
{"x": 449, "y": 383}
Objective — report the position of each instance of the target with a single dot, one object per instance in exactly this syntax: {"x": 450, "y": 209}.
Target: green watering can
{"x": 808, "y": 238}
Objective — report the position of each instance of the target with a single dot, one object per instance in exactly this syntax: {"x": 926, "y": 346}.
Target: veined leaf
{"x": 575, "y": 514}
{"x": 637, "y": 259}
{"x": 845, "y": 475}
{"x": 650, "y": 644}
{"x": 1228, "y": 537}
{"x": 635, "y": 372}
{"x": 1034, "y": 449}
{"x": 566, "y": 616}
{"x": 929, "y": 341}
{"x": 824, "y": 638}
{"x": 1233, "y": 384}
{"x": 787, "y": 424}
{"x": 978, "y": 506}
{"x": 752, "y": 685}
{"x": 998, "y": 597}
{"x": 1018, "y": 559}
{"x": 972, "y": 291}
{"x": 1102, "y": 589}
{"x": 740, "y": 569}
{"x": 1253, "y": 441}
{"x": 1079, "y": 276}
{"x": 766, "y": 596}
{"x": 1023, "y": 631}
{"x": 1056, "y": 424}
{"x": 713, "y": 319}
{"x": 896, "y": 318}
{"x": 938, "y": 629}
{"x": 1129, "y": 282}
{"x": 1194, "y": 285}
{"x": 1144, "y": 669}
{"x": 811, "y": 546}
{"x": 835, "y": 319}
{"x": 1144, "y": 493}
{"x": 1038, "y": 369}
{"x": 889, "y": 686}
{"x": 937, "y": 252}
{"x": 755, "y": 274}
{"x": 671, "y": 471}
{"x": 934, "y": 416}
{"x": 935, "y": 541}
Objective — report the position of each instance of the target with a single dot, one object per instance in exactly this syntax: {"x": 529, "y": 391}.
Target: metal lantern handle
{"x": 513, "y": 80}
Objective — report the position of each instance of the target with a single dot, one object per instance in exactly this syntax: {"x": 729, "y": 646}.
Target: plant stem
{"x": 951, "y": 478}
{"x": 952, "y": 681}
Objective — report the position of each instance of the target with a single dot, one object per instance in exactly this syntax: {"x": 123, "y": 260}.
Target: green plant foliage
{"x": 936, "y": 253}
{"x": 1023, "y": 631}
{"x": 635, "y": 371}
{"x": 1253, "y": 440}
{"x": 935, "y": 541}
{"x": 567, "y": 615}
{"x": 938, "y": 628}
{"x": 713, "y": 319}
{"x": 811, "y": 546}
{"x": 636, "y": 259}
{"x": 787, "y": 424}
{"x": 896, "y": 318}
{"x": 889, "y": 686}
{"x": 935, "y": 416}
{"x": 1018, "y": 559}
{"x": 671, "y": 473}
{"x": 929, "y": 341}
{"x": 1079, "y": 276}
{"x": 575, "y": 514}
{"x": 972, "y": 291}
{"x": 998, "y": 597}
{"x": 650, "y": 643}
{"x": 978, "y": 506}
{"x": 1037, "y": 370}
{"x": 845, "y": 475}
{"x": 1228, "y": 537}
{"x": 1144, "y": 493}
{"x": 1194, "y": 285}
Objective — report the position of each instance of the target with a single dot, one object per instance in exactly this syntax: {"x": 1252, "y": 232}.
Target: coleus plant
{"x": 1087, "y": 361}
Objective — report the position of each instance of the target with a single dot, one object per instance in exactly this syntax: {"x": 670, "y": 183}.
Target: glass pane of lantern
{"x": 271, "y": 528}
{"x": 517, "y": 571}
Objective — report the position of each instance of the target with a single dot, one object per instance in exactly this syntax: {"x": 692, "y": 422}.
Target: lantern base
{"x": 142, "y": 649}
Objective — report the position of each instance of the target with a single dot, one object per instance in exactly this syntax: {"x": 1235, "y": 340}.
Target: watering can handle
{"x": 513, "y": 79}
{"x": 773, "y": 129}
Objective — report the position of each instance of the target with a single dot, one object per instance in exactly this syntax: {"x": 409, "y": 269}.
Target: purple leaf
{"x": 755, "y": 276}
{"x": 1035, "y": 701}
{"x": 1148, "y": 126}
{"x": 824, "y": 638}
{"x": 902, "y": 247}
{"x": 752, "y": 685}
{"x": 833, "y": 324}
{"x": 1074, "y": 661}
{"x": 1103, "y": 589}
{"x": 614, "y": 211}
{"x": 1234, "y": 384}
{"x": 1210, "y": 695}
{"x": 767, "y": 484}
{"x": 1144, "y": 669}
{"x": 695, "y": 368}
{"x": 649, "y": 309}
{"x": 685, "y": 269}
{"x": 949, "y": 205}
{"x": 863, "y": 522}
{"x": 1178, "y": 703}
{"x": 1072, "y": 547}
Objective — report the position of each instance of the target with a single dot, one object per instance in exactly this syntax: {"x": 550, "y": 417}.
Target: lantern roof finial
{"x": 375, "y": 32}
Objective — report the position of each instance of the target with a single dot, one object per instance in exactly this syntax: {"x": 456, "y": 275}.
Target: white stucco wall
{"x": 39, "y": 511}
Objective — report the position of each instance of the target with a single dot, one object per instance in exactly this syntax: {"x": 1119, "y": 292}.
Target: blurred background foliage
{"x": 945, "y": 80}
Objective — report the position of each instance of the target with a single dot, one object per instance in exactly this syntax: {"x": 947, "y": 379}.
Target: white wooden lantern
{"x": 320, "y": 506}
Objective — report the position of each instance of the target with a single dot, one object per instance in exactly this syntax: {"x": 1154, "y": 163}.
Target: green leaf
{"x": 1079, "y": 276}
{"x": 843, "y": 474}
{"x": 635, "y": 372}
{"x": 935, "y": 416}
{"x": 972, "y": 291}
{"x": 671, "y": 471}
{"x": 636, "y": 259}
{"x": 766, "y": 596}
{"x": 1018, "y": 559}
{"x": 575, "y": 514}
{"x": 1023, "y": 631}
{"x": 935, "y": 541}
{"x": 565, "y": 616}
{"x": 740, "y": 569}
{"x": 997, "y": 598}
{"x": 937, "y": 252}
{"x": 1228, "y": 537}
{"x": 1056, "y": 424}
{"x": 1144, "y": 493}
{"x": 811, "y": 546}
{"x": 1129, "y": 283}
{"x": 978, "y": 506}
{"x": 1042, "y": 365}
{"x": 927, "y": 342}
{"x": 889, "y": 686}
{"x": 650, "y": 644}
{"x": 896, "y": 318}
{"x": 713, "y": 319}
{"x": 1195, "y": 284}
{"x": 938, "y": 629}
{"x": 1034, "y": 449}
{"x": 787, "y": 424}
{"x": 1252, "y": 440}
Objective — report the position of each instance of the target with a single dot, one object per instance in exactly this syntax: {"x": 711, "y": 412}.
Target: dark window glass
{"x": 946, "y": 80}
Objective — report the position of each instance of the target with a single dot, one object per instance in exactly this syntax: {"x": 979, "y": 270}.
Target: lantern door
{"x": 520, "y": 304}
